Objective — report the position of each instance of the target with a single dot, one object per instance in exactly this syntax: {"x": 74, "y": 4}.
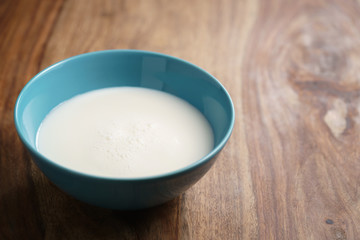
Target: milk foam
{"x": 125, "y": 132}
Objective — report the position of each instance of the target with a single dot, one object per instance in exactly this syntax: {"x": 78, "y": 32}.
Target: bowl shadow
{"x": 87, "y": 221}
{"x": 52, "y": 214}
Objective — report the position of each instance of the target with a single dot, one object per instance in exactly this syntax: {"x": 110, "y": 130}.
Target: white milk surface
{"x": 125, "y": 132}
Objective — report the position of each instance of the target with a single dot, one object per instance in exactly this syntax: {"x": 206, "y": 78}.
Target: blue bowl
{"x": 111, "y": 68}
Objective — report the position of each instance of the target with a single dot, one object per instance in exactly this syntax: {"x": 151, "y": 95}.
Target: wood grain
{"x": 291, "y": 169}
{"x": 302, "y": 101}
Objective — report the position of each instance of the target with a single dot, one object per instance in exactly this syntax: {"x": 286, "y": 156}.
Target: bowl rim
{"x": 216, "y": 149}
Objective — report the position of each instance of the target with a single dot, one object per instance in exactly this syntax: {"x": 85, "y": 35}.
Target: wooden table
{"x": 291, "y": 169}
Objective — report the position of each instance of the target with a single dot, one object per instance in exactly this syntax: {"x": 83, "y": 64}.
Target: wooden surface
{"x": 291, "y": 169}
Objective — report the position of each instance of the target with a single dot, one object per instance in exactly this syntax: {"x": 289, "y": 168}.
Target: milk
{"x": 125, "y": 132}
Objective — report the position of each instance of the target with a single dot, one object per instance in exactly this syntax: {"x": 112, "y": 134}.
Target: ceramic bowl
{"x": 111, "y": 68}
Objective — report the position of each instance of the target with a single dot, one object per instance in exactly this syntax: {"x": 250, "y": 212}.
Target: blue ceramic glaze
{"x": 110, "y": 68}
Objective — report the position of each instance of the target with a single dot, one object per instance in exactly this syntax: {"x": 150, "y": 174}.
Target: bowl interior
{"x": 103, "y": 69}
